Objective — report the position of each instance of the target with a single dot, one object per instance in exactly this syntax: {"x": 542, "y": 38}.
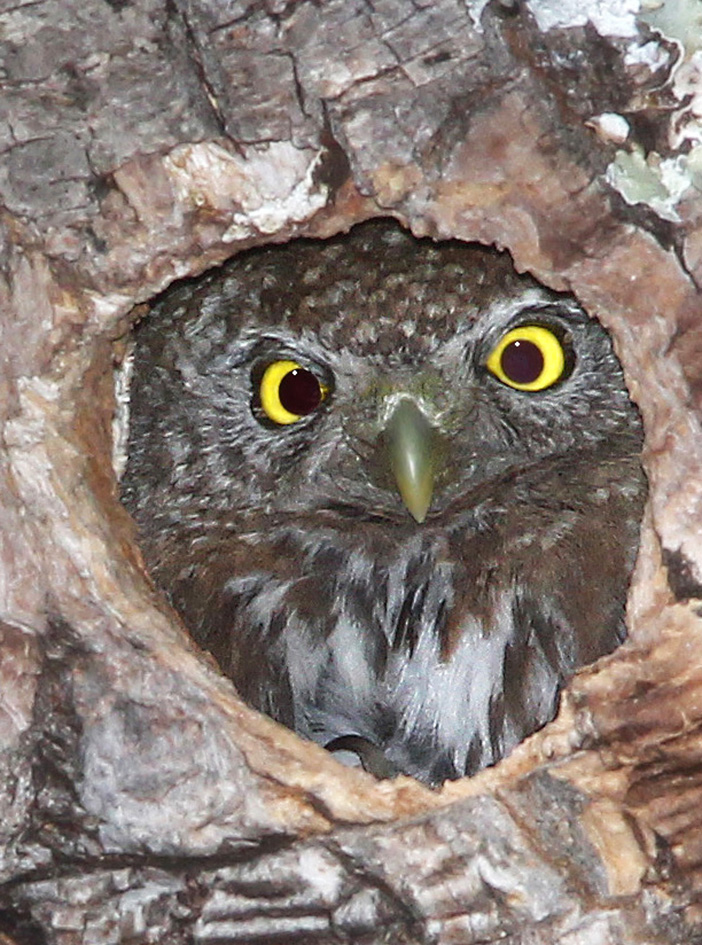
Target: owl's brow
{"x": 280, "y": 346}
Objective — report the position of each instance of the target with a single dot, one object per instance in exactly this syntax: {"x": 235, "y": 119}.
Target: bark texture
{"x": 141, "y": 141}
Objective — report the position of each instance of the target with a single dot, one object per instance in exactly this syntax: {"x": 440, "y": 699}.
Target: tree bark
{"x": 140, "y": 800}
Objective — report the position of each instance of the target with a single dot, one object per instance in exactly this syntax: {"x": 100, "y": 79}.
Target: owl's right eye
{"x": 288, "y": 392}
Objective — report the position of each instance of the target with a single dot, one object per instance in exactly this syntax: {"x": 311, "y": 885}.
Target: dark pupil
{"x": 522, "y": 362}
{"x": 299, "y": 392}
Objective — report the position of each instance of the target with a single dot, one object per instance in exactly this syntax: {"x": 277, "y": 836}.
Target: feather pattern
{"x": 288, "y": 550}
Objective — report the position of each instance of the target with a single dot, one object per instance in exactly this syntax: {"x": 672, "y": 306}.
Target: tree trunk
{"x": 140, "y": 801}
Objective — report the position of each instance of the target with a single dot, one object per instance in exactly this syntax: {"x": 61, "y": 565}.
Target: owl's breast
{"x": 392, "y": 638}
{"x": 443, "y": 643}
{"x": 447, "y": 643}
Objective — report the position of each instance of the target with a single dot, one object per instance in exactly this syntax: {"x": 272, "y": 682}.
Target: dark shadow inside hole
{"x": 391, "y": 485}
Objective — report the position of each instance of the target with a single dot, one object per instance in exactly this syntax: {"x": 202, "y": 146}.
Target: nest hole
{"x": 395, "y": 362}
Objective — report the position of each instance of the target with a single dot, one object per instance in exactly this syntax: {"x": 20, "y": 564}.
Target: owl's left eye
{"x": 528, "y": 358}
{"x": 288, "y": 392}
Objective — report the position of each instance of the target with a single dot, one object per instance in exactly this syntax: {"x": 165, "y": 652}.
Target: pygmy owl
{"x": 391, "y": 485}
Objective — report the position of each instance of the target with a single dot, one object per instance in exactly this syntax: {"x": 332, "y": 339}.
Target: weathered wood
{"x": 139, "y": 800}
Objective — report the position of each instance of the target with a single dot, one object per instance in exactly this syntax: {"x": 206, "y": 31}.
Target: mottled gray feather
{"x": 289, "y": 552}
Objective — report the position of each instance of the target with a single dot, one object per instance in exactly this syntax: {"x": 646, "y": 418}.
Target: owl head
{"x": 373, "y": 375}
{"x": 392, "y": 485}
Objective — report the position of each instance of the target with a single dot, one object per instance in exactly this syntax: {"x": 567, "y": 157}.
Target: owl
{"x": 391, "y": 485}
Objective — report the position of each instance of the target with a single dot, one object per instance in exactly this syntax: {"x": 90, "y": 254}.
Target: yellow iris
{"x": 529, "y": 358}
{"x": 288, "y": 392}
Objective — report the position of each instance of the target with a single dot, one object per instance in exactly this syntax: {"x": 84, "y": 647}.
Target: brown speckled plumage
{"x": 288, "y": 549}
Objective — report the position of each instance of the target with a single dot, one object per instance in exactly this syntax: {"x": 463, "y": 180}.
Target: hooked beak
{"x": 412, "y": 446}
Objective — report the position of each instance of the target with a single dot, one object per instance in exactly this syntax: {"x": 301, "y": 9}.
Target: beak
{"x": 412, "y": 446}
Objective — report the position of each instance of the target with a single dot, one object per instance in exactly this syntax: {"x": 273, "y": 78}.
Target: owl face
{"x": 389, "y": 381}
{"x": 393, "y": 487}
